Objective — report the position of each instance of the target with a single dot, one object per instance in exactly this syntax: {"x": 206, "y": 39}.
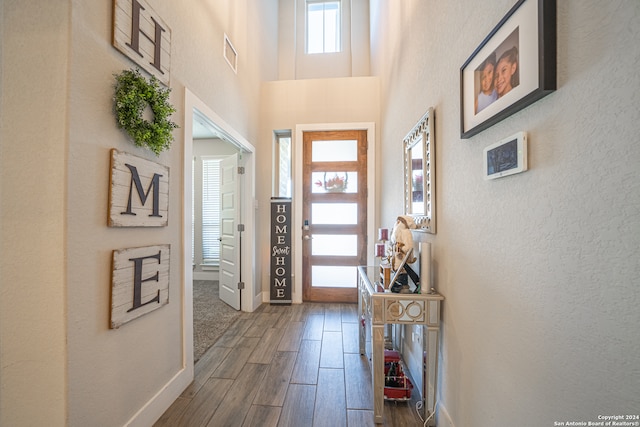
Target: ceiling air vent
{"x": 230, "y": 54}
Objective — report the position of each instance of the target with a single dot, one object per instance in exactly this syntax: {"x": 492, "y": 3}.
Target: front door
{"x": 229, "y": 233}
{"x": 334, "y": 209}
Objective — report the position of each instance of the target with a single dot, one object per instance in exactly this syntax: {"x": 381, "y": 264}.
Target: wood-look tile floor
{"x": 296, "y": 365}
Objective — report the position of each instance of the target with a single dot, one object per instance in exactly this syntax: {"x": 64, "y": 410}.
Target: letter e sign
{"x": 139, "y": 192}
{"x": 139, "y": 282}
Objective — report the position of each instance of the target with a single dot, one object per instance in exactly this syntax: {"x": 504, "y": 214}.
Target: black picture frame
{"x": 525, "y": 36}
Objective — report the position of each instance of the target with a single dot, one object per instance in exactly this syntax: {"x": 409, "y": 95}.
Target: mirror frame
{"x": 423, "y": 132}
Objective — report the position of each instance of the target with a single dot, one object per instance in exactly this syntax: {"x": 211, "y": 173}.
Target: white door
{"x": 229, "y": 234}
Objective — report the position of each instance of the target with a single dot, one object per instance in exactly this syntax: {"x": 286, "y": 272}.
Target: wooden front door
{"x": 334, "y": 210}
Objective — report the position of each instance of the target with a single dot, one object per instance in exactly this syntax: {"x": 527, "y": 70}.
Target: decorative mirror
{"x": 420, "y": 173}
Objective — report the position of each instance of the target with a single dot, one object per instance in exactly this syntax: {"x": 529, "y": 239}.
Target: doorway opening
{"x": 227, "y": 262}
{"x": 334, "y": 208}
{"x": 212, "y": 315}
{"x": 367, "y": 222}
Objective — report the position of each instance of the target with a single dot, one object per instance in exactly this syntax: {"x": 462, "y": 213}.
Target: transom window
{"x": 282, "y": 179}
{"x": 323, "y": 26}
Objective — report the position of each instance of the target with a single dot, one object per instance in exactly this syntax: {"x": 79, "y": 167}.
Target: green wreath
{"x": 133, "y": 93}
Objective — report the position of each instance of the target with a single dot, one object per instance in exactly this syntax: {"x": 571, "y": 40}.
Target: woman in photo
{"x": 506, "y": 72}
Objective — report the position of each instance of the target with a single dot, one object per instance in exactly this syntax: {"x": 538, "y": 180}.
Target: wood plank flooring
{"x": 296, "y": 366}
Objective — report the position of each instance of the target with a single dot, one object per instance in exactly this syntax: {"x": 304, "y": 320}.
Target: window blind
{"x": 211, "y": 211}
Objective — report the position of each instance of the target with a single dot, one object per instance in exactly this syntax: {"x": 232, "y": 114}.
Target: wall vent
{"x": 230, "y": 54}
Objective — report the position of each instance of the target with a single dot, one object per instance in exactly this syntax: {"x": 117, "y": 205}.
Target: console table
{"x": 377, "y": 309}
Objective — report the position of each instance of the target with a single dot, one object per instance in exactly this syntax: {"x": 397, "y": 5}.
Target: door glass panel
{"x": 334, "y": 276}
{"x": 334, "y": 151}
{"x": 334, "y": 182}
{"x": 334, "y": 213}
{"x": 282, "y": 167}
{"x": 334, "y": 245}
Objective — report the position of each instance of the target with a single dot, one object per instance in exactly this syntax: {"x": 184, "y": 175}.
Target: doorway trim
{"x": 372, "y": 214}
{"x": 249, "y": 302}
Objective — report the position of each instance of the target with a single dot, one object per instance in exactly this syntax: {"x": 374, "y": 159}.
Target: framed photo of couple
{"x": 512, "y": 68}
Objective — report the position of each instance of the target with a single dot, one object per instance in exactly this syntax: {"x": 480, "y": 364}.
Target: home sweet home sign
{"x": 281, "y": 251}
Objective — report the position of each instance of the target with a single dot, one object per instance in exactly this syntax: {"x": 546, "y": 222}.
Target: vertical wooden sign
{"x": 138, "y": 192}
{"x": 281, "y": 284}
{"x": 139, "y": 282}
{"x": 141, "y": 35}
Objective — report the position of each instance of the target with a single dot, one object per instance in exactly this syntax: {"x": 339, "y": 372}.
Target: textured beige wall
{"x": 113, "y": 374}
{"x": 540, "y": 270}
{"x": 58, "y": 354}
{"x": 32, "y": 212}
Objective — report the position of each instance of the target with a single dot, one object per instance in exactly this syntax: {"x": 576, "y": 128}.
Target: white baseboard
{"x": 257, "y": 301}
{"x": 154, "y": 408}
{"x": 206, "y": 275}
{"x": 443, "y": 419}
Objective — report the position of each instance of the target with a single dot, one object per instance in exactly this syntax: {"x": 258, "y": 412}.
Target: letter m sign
{"x": 139, "y": 192}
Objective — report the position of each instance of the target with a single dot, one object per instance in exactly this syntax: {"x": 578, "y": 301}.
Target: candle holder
{"x": 384, "y": 255}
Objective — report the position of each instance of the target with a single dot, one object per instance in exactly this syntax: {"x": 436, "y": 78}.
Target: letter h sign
{"x": 139, "y": 192}
{"x": 141, "y": 35}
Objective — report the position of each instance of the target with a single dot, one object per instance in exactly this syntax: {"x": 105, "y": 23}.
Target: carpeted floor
{"x": 211, "y": 316}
